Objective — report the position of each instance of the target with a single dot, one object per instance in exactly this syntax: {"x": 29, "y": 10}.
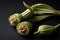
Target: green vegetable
{"x": 24, "y": 28}
{"x": 14, "y": 19}
{"x": 38, "y": 18}
{"x": 27, "y": 13}
{"x": 41, "y": 9}
{"x": 46, "y": 29}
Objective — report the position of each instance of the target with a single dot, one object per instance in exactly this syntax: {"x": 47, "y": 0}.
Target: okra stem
{"x": 27, "y": 13}
{"x": 27, "y": 6}
{"x": 36, "y": 32}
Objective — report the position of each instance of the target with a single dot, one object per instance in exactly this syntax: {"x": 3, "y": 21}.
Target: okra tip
{"x": 27, "y": 6}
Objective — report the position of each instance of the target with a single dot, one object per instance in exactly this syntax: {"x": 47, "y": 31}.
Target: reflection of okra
{"x": 24, "y": 28}
{"x": 15, "y": 19}
{"x": 46, "y": 29}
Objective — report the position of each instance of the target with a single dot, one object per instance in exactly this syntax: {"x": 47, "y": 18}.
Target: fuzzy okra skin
{"x": 27, "y": 13}
{"x": 42, "y": 9}
{"x": 36, "y": 9}
{"x": 24, "y": 28}
{"x": 38, "y": 18}
{"x": 46, "y": 29}
{"x": 39, "y": 9}
{"x": 14, "y": 19}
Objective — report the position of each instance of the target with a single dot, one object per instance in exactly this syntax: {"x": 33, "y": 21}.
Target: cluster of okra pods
{"x": 37, "y": 12}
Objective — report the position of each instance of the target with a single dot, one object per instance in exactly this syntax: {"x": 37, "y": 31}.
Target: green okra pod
{"x": 46, "y": 29}
{"x": 24, "y": 28}
{"x": 41, "y": 9}
{"x": 14, "y": 19}
{"x": 38, "y": 18}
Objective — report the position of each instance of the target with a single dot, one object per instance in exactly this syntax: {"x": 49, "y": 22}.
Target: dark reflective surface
{"x": 8, "y": 7}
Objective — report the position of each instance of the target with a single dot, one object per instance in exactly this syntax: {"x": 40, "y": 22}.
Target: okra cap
{"x": 24, "y": 28}
{"x": 14, "y": 19}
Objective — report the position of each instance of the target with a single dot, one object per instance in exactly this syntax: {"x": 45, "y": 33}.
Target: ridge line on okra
{"x": 24, "y": 14}
{"x": 38, "y": 18}
{"x": 28, "y": 12}
{"x": 49, "y": 7}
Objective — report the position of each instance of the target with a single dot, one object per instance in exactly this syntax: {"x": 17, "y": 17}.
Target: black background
{"x": 8, "y": 7}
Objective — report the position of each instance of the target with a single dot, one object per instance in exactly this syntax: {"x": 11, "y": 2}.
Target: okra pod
{"x": 41, "y": 9}
{"x": 46, "y": 29}
{"x": 38, "y": 18}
